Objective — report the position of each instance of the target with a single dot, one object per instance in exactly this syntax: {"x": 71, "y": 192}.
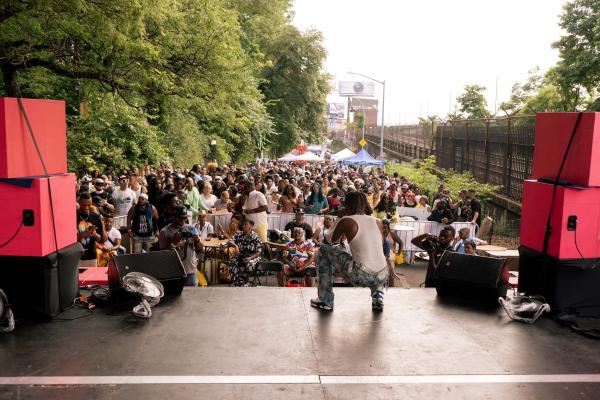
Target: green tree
{"x": 577, "y": 74}
{"x": 175, "y": 70}
{"x": 472, "y": 102}
{"x": 521, "y": 92}
{"x": 292, "y": 78}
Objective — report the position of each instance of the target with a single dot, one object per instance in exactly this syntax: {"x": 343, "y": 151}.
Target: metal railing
{"x": 497, "y": 151}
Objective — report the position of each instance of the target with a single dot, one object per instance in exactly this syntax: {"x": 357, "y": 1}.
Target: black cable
{"x": 39, "y": 153}
{"x": 13, "y": 236}
{"x": 548, "y": 230}
{"x": 581, "y": 255}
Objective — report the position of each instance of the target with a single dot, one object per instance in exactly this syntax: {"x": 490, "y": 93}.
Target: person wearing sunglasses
{"x": 101, "y": 199}
{"x": 124, "y": 198}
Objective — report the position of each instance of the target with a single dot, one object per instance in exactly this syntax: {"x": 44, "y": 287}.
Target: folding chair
{"x": 266, "y": 266}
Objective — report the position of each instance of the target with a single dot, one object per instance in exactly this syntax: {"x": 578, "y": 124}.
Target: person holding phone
{"x": 89, "y": 230}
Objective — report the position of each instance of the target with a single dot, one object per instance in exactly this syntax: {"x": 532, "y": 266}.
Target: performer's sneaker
{"x": 377, "y": 301}
{"x": 317, "y": 303}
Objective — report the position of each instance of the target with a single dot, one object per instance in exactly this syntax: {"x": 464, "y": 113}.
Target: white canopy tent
{"x": 288, "y": 157}
{"x": 342, "y": 155}
{"x": 308, "y": 156}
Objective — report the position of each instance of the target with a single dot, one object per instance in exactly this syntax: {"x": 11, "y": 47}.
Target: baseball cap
{"x": 404, "y": 186}
{"x": 121, "y": 177}
{"x": 143, "y": 196}
{"x": 181, "y": 212}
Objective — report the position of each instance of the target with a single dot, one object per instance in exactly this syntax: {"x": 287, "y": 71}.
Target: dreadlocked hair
{"x": 355, "y": 203}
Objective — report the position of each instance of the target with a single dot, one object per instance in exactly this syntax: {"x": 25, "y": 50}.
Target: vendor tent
{"x": 342, "y": 155}
{"x": 362, "y": 158}
{"x": 288, "y": 157}
{"x": 308, "y": 156}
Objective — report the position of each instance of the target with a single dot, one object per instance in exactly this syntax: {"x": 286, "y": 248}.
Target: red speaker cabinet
{"x": 18, "y": 157}
{"x": 583, "y": 204}
{"x": 28, "y": 201}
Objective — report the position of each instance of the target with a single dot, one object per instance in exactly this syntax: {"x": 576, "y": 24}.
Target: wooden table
{"x": 512, "y": 257}
{"x": 490, "y": 247}
{"x": 212, "y": 247}
{"x": 219, "y": 212}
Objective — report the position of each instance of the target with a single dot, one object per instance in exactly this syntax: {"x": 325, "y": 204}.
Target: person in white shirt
{"x": 255, "y": 209}
{"x": 123, "y": 197}
{"x": 113, "y": 236}
{"x": 204, "y": 227}
{"x": 366, "y": 267}
{"x": 207, "y": 199}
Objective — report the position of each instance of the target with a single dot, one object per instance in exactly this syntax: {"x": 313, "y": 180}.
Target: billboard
{"x": 356, "y": 88}
{"x": 336, "y": 110}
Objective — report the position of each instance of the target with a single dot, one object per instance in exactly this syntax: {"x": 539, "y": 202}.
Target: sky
{"x": 428, "y": 50}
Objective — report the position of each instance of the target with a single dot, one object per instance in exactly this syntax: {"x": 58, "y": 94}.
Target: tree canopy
{"x": 154, "y": 80}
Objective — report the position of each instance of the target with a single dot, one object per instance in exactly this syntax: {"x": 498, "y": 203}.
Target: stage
{"x": 268, "y": 343}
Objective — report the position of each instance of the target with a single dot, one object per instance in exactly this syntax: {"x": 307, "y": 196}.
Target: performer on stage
{"x": 366, "y": 267}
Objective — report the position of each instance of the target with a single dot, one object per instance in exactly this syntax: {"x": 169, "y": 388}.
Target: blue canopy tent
{"x": 362, "y": 158}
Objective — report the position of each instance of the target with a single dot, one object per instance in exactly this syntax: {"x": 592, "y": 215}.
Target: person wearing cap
{"x": 142, "y": 224}
{"x": 298, "y": 222}
{"x": 123, "y": 197}
{"x": 100, "y": 198}
{"x": 184, "y": 239}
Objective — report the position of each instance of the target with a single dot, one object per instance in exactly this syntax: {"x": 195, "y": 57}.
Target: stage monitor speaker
{"x": 164, "y": 265}
{"x": 482, "y": 279}
{"x": 41, "y": 286}
{"x": 552, "y": 134}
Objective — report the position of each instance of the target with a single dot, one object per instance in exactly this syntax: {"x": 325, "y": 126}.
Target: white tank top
{"x": 366, "y": 246}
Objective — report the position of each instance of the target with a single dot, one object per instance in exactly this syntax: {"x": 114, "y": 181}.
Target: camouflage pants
{"x": 334, "y": 259}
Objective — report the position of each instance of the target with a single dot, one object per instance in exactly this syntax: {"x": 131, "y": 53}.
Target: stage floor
{"x": 268, "y": 343}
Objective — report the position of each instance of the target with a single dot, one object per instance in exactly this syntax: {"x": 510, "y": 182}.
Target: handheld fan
{"x": 148, "y": 288}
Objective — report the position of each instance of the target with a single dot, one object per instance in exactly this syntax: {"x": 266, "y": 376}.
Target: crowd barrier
{"x": 274, "y": 220}
{"x": 431, "y": 227}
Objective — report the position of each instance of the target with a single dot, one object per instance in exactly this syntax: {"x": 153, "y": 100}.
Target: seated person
{"x": 298, "y": 222}
{"x": 248, "y": 248}
{"x": 435, "y": 247}
{"x": 470, "y": 248}
{"x": 298, "y": 256}
{"x": 112, "y": 245}
{"x": 204, "y": 228}
{"x": 322, "y": 231}
{"x": 224, "y": 203}
{"x": 464, "y": 235}
{"x": 442, "y": 213}
{"x": 234, "y": 227}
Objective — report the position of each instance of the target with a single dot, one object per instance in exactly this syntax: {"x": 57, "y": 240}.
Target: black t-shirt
{"x": 476, "y": 208}
{"x": 89, "y": 243}
{"x": 307, "y": 228}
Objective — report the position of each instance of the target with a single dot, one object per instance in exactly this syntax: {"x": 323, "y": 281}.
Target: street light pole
{"x": 382, "y": 122}
{"x": 382, "y": 108}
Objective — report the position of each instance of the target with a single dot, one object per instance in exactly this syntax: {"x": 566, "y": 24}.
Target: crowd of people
{"x": 166, "y": 208}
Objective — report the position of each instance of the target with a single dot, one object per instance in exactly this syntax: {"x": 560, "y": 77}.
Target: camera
{"x": 187, "y": 231}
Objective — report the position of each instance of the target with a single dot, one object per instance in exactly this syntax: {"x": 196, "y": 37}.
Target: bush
{"x": 428, "y": 177}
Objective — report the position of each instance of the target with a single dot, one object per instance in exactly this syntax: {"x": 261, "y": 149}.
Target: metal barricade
{"x": 421, "y": 227}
